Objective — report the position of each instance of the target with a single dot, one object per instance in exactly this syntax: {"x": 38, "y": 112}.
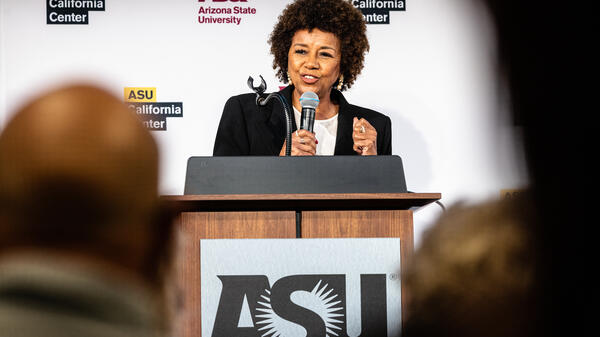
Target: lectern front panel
{"x": 194, "y": 226}
{"x": 363, "y": 224}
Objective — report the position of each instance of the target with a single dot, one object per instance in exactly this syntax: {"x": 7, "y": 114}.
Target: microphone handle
{"x": 307, "y": 119}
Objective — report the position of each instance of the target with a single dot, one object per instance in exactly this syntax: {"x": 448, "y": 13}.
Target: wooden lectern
{"x": 329, "y": 215}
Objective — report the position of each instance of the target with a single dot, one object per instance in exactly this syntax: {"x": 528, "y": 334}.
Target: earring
{"x": 289, "y": 79}
{"x": 340, "y": 83}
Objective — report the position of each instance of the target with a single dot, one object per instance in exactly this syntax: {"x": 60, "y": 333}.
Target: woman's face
{"x": 314, "y": 61}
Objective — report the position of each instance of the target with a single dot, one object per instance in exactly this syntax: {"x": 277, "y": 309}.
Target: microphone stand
{"x": 262, "y": 101}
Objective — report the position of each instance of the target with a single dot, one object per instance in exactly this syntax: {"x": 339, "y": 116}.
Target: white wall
{"x": 431, "y": 70}
{"x": 2, "y": 67}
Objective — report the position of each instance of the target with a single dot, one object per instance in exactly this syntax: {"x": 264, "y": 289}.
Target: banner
{"x": 177, "y": 62}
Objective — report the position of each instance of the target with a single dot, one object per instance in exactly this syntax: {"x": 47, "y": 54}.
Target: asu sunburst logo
{"x": 322, "y": 300}
{"x": 298, "y": 305}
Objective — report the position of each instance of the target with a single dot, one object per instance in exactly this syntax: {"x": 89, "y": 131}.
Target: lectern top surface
{"x": 294, "y": 175}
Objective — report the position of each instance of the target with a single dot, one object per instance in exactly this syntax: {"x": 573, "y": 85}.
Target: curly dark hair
{"x": 338, "y": 17}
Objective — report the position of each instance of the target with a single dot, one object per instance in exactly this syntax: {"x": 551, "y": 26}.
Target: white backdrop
{"x": 431, "y": 70}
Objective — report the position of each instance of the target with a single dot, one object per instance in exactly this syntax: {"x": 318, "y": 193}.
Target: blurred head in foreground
{"x": 80, "y": 226}
{"x": 473, "y": 275}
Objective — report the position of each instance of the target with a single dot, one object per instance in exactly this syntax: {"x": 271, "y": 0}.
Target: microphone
{"x": 309, "y": 102}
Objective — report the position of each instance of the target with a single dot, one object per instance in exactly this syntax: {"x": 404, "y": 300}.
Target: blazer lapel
{"x": 275, "y": 121}
{"x": 343, "y": 139}
{"x": 287, "y": 94}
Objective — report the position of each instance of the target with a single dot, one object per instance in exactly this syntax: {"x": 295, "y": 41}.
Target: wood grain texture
{"x": 364, "y": 224}
{"x": 217, "y": 225}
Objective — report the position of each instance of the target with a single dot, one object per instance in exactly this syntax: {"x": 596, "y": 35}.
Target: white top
{"x": 325, "y": 132}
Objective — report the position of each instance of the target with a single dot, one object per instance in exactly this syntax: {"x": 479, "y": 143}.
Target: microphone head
{"x": 309, "y": 100}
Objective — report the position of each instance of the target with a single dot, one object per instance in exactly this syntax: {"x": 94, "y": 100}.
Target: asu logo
{"x": 297, "y": 305}
{"x": 154, "y": 114}
{"x": 508, "y": 194}
{"x": 140, "y": 94}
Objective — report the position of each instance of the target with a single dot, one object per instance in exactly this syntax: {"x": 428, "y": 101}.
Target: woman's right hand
{"x": 304, "y": 143}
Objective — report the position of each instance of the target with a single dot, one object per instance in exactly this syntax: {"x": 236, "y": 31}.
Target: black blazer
{"x": 247, "y": 129}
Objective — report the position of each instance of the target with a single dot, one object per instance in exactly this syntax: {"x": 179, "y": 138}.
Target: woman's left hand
{"x": 365, "y": 137}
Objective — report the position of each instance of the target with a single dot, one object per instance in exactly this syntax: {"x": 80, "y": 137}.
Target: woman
{"x": 318, "y": 46}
